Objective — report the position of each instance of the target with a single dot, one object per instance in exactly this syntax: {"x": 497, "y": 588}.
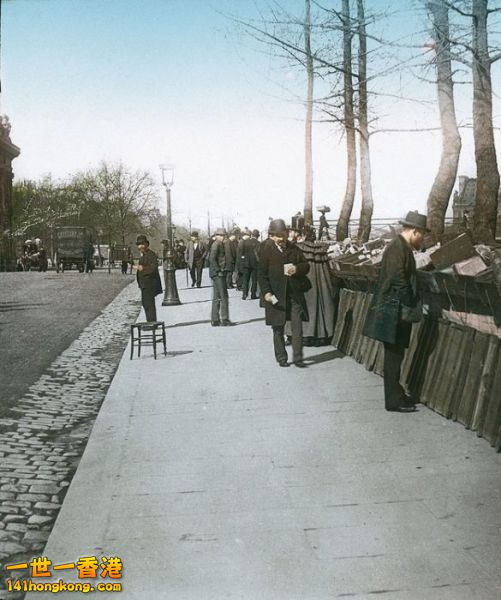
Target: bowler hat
{"x": 220, "y": 231}
{"x": 194, "y": 234}
{"x": 415, "y": 220}
{"x": 141, "y": 239}
{"x": 255, "y": 233}
{"x": 277, "y": 226}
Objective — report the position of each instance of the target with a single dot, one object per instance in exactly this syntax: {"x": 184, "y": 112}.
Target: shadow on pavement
{"x": 187, "y": 324}
{"x": 326, "y": 356}
{"x": 249, "y": 321}
{"x": 198, "y": 301}
{"x": 161, "y": 355}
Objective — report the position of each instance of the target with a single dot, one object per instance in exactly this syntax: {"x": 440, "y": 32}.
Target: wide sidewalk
{"x": 213, "y": 473}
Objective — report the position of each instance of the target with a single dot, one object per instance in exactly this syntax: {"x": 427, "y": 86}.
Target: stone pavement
{"x": 213, "y": 473}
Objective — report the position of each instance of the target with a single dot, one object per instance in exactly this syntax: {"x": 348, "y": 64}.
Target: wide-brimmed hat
{"x": 415, "y": 220}
{"x": 194, "y": 234}
{"x": 220, "y": 231}
{"x": 277, "y": 226}
{"x": 141, "y": 239}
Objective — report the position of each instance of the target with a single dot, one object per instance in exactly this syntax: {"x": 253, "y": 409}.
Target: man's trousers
{"x": 297, "y": 336}
{"x": 250, "y": 276}
{"x": 196, "y": 272}
{"x": 220, "y": 308}
{"x": 148, "y": 302}
{"x": 393, "y": 391}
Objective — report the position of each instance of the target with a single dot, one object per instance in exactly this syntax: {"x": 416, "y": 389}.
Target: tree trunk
{"x": 440, "y": 193}
{"x": 349, "y": 124}
{"x": 485, "y": 211}
{"x": 308, "y": 192}
{"x": 364, "y": 228}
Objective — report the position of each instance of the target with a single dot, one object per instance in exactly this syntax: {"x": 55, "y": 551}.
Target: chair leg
{"x": 139, "y": 342}
{"x": 164, "y": 340}
{"x": 154, "y": 341}
{"x": 131, "y": 341}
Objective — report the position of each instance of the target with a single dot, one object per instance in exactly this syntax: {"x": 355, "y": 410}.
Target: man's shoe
{"x": 199, "y": 284}
{"x": 254, "y": 297}
{"x": 227, "y": 323}
{"x": 408, "y": 400}
{"x": 193, "y": 284}
{"x": 283, "y": 363}
{"x": 215, "y": 323}
{"x": 402, "y": 409}
{"x": 244, "y": 297}
{"x": 300, "y": 363}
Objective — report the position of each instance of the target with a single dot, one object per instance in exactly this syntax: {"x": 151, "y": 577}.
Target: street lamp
{"x": 171, "y": 296}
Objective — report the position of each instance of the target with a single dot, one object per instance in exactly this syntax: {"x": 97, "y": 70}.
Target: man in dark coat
{"x": 196, "y": 252}
{"x": 248, "y": 264}
{"x": 220, "y": 314}
{"x": 396, "y": 287}
{"x": 230, "y": 246}
{"x": 148, "y": 277}
{"x": 282, "y": 278}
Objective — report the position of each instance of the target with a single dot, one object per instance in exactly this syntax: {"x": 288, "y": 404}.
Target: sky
{"x": 177, "y": 81}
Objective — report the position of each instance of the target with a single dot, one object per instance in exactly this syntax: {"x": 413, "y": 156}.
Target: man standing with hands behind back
{"x": 148, "y": 277}
{"x": 282, "y": 271}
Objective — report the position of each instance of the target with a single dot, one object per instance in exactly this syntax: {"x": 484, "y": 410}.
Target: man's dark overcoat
{"x": 272, "y": 279}
{"x": 217, "y": 259}
{"x": 393, "y": 289}
{"x": 149, "y": 277}
{"x": 248, "y": 253}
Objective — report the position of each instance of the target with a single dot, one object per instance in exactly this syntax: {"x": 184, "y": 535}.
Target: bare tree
{"x": 124, "y": 199}
{"x": 364, "y": 228}
{"x": 440, "y": 193}
{"x": 308, "y": 192}
{"x": 486, "y": 197}
{"x": 349, "y": 125}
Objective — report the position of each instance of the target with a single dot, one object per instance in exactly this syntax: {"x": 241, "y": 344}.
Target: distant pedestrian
{"x": 230, "y": 247}
{"x": 248, "y": 265}
{"x": 148, "y": 277}
{"x": 282, "y": 278}
{"x": 220, "y": 314}
{"x": 195, "y": 254}
{"x": 394, "y": 298}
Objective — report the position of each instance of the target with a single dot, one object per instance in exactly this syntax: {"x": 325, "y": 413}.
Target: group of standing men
{"x": 232, "y": 263}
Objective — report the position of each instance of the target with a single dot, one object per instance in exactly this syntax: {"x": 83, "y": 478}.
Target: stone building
{"x": 8, "y": 151}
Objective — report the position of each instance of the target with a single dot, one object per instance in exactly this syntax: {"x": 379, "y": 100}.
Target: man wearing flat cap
{"x": 394, "y": 299}
{"x": 148, "y": 277}
{"x": 220, "y": 314}
{"x": 282, "y": 271}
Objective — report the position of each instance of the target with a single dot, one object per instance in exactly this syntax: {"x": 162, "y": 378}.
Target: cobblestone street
{"x": 40, "y": 315}
{"x": 43, "y": 436}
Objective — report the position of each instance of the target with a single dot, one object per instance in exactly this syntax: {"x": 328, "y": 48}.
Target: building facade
{"x": 8, "y": 152}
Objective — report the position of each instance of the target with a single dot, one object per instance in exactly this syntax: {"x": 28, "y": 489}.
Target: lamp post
{"x": 171, "y": 296}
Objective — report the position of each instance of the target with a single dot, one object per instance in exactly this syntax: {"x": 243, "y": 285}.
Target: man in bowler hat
{"x": 220, "y": 314}
{"x": 196, "y": 251}
{"x": 282, "y": 278}
{"x": 396, "y": 288}
{"x": 249, "y": 252}
{"x": 148, "y": 277}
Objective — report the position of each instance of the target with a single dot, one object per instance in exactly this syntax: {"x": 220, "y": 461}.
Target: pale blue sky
{"x": 150, "y": 81}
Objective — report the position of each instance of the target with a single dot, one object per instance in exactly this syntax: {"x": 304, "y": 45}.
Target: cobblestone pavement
{"x": 40, "y": 315}
{"x": 43, "y": 437}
